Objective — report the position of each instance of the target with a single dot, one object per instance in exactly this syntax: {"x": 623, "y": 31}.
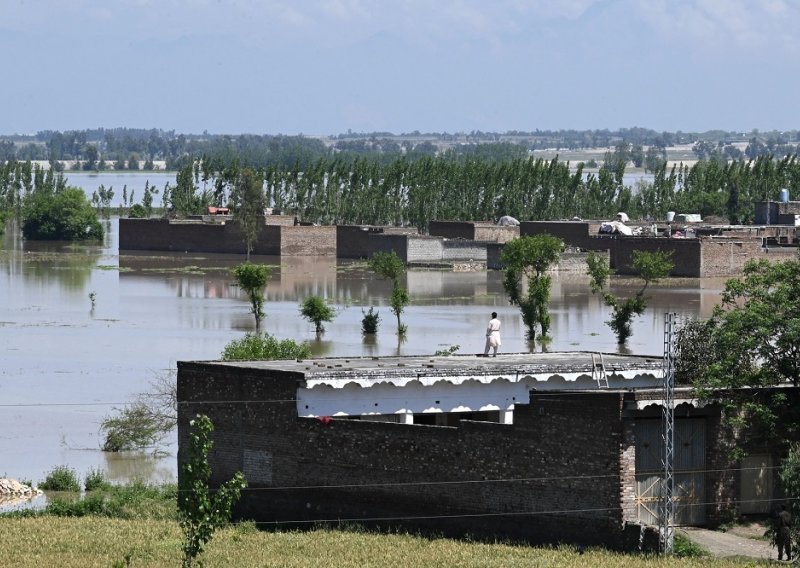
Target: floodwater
{"x": 66, "y": 364}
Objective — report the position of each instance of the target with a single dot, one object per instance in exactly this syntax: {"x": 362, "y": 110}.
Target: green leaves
{"x": 201, "y": 510}
{"x": 252, "y": 278}
{"x": 391, "y": 266}
{"x": 63, "y": 215}
{"x": 258, "y": 347}
{"x": 651, "y": 266}
{"x": 317, "y": 311}
{"x": 530, "y": 258}
{"x": 755, "y": 335}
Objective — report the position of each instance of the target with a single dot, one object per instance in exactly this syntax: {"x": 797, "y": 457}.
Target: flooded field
{"x": 66, "y": 364}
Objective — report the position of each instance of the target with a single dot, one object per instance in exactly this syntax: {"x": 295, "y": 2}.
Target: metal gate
{"x": 689, "y": 470}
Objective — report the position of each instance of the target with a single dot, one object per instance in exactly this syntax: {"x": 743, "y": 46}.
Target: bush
{"x": 65, "y": 215}
{"x": 135, "y": 501}
{"x": 137, "y": 211}
{"x": 61, "y": 478}
{"x": 258, "y": 347}
{"x": 370, "y": 321}
{"x": 95, "y": 479}
{"x": 132, "y": 428}
{"x": 683, "y": 547}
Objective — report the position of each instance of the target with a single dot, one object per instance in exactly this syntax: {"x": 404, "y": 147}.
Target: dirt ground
{"x": 739, "y": 540}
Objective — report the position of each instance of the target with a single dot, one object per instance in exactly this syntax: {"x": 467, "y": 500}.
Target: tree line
{"x": 413, "y": 193}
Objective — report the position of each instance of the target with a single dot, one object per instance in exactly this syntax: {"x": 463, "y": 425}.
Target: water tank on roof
{"x": 784, "y": 196}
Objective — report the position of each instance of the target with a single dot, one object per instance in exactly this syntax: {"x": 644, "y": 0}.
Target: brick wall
{"x": 686, "y": 254}
{"x": 543, "y": 479}
{"x": 283, "y": 220}
{"x": 463, "y": 251}
{"x": 193, "y": 236}
{"x": 581, "y": 234}
{"x": 354, "y": 241}
{"x": 495, "y": 233}
{"x": 473, "y": 231}
{"x": 308, "y": 240}
{"x": 452, "y": 229}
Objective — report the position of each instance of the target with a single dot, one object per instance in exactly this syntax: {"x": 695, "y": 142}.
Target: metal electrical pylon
{"x": 667, "y": 506}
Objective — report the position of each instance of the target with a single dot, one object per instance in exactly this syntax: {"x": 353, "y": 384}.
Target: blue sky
{"x": 322, "y": 67}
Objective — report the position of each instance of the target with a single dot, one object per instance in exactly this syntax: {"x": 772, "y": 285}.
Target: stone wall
{"x": 423, "y": 249}
{"x": 543, "y": 479}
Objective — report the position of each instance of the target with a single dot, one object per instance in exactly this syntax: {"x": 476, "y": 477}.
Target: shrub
{"x": 135, "y": 501}
{"x": 61, "y": 478}
{"x": 137, "y": 211}
{"x": 685, "y": 548}
{"x": 370, "y": 321}
{"x": 95, "y": 479}
{"x": 132, "y": 428}
{"x": 258, "y": 347}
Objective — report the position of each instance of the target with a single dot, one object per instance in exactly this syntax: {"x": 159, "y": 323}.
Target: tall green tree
{"x": 756, "y": 335}
{"x": 529, "y": 258}
{"x": 247, "y": 204}
{"x": 650, "y": 266}
{"x": 252, "y": 278}
{"x": 390, "y": 266}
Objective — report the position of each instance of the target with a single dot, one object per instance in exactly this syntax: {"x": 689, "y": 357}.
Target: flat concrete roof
{"x": 570, "y": 362}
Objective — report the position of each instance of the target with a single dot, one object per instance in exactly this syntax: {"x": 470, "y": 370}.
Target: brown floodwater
{"x": 66, "y": 364}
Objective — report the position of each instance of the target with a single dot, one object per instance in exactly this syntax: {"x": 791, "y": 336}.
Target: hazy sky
{"x": 323, "y": 66}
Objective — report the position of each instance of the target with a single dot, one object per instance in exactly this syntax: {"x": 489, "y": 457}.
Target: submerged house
{"x": 545, "y": 447}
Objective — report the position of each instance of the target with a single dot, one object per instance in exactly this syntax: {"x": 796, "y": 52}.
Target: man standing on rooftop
{"x": 492, "y": 335}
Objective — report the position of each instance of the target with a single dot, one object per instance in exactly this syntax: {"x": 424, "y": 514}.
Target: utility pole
{"x": 667, "y": 506}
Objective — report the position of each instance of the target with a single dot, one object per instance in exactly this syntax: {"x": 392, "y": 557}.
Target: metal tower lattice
{"x": 667, "y": 507}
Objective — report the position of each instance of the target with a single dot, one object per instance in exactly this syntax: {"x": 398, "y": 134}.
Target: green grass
{"x": 90, "y": 541}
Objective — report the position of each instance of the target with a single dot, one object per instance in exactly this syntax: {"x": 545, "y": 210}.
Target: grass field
{"x": 44, "y": 541}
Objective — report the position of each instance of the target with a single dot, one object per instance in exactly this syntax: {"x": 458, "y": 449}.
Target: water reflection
{"x": 155, "y": 309}
{"x": 47, "y": 266}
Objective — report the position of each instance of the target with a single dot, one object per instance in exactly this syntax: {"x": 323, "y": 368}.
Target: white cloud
{"x": 723, "y": 26}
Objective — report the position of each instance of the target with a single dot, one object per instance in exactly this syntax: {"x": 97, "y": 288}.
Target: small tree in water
{"x": 252, "y": 278}
{"x": 531, "y": 258}
{"x": 202, "y": 510}
{"x": 650, "y": 266}
{"x": 315, "y": 310}
{"x": 390, "y": 266}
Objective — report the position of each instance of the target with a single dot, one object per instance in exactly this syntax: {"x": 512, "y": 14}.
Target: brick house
{"x": 536, "y": 447}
